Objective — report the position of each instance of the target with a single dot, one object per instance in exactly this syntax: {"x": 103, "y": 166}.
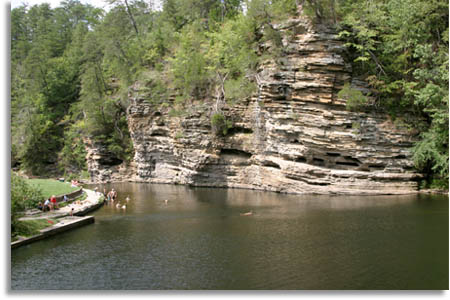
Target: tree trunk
{"x": 131, "y": 17}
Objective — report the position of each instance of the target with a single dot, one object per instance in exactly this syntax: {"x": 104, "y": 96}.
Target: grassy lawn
{"x": 31, "y": 227}
{"x": 51, "y": 187}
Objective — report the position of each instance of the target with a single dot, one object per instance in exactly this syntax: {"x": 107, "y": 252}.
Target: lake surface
{"x": 199, "y": 240}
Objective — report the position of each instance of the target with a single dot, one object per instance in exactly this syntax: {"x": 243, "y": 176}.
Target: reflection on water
{"x": 175, "y": 237}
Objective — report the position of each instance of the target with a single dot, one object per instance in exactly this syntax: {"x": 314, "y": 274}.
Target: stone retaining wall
{"x": 71, "y": 195}
{"x": 64, "y": 225}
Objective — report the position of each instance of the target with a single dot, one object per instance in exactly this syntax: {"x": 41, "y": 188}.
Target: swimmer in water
{"x": 247, "y": 213}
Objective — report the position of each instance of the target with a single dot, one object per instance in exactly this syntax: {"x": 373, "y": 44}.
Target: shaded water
{"x": 198, "y": 240}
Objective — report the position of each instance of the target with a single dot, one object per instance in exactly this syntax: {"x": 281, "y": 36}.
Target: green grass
{"x": 51, "y": 187}
{"x": 31, "y": 227}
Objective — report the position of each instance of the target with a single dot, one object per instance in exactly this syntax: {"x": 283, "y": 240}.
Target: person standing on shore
{"x": 47, "y": 205}
{"x": 54, "y": 202}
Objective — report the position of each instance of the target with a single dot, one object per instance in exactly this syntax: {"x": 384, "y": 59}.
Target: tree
{"x": 45, "y": 78}
{"x": 232, "y": 60}
{"x": 401, "y": 47}
{"x": 188, "y": 65}
{"x": 23, "y": 196}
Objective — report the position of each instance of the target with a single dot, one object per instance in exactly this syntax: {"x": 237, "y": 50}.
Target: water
{"x": 198, "y": 240}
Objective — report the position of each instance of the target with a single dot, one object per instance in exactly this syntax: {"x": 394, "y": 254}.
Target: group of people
{"x": 111, "y": 195}
{"x": 75, "y": 183}
{"x": 49, "y": 204}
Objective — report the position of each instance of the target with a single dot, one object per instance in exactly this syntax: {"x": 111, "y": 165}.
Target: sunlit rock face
{"x": 294, "y": 135}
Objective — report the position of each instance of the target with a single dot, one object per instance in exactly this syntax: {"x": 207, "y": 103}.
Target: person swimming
{"x": 247, "y": 213}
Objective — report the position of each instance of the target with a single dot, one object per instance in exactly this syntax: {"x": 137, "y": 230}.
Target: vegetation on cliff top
{"x": 401, "y": 48}
{"x": 73, "y": 67}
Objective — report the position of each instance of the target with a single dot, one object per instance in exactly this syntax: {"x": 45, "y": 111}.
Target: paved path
{"x": 65, "y": 221}
{"x": 78, "y": 206}
{"x": 64, "y": 224}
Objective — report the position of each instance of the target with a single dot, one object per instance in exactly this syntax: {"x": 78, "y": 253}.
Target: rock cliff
{"x": 103, "y": 166}
{"x": 294, "y": 135}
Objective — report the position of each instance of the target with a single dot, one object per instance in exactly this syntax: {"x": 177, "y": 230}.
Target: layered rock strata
{"x": 294, "y": 135}
{"x": 103, "y": 166}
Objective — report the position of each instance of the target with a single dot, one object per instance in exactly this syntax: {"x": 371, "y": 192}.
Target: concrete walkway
{"x": 64, "y": 224}
{"x": 65, "y": 221}
{"x": 80, "y": 208}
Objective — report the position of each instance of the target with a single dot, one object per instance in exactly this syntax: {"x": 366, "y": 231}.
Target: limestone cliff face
{"x": 103, "y": 166}
{"x": 294, "y": 135}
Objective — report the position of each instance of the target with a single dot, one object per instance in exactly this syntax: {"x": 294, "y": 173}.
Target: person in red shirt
{"x": 54, "y": 202}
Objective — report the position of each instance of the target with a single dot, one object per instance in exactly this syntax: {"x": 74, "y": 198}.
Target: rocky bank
{"x": 293, "y": 136}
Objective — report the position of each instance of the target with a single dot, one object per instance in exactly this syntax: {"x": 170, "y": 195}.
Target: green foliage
{"x": 238, "y": 89}
{"x": 220, "y": 124}
{"x": 188, "y": 64}
{"x": 23, "y": 196}
{"x": 231, "y": 60}
{"x": 264, "y": 11}
{"x": 262, "y": 15}
{"x": 321, "y": 11}
{"x": 431, "y": 153}
{"x": 44, "y": 78}
{"x": 176, "y": 112}
{"x": 74, "y": 68}
{"x": 401, "y": 46}
{"x": 179, "y": 135}
{"x": 28, "y": 228}
{"x": 41, "y": 144}
{"x": 85, "y": 175}
{"x": 73, "y": 154}
{"x": 355, "y": 98}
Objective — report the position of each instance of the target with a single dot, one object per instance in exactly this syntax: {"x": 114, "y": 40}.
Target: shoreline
{"x": 334, "y": 193}
{"x": 65, "y": 222}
